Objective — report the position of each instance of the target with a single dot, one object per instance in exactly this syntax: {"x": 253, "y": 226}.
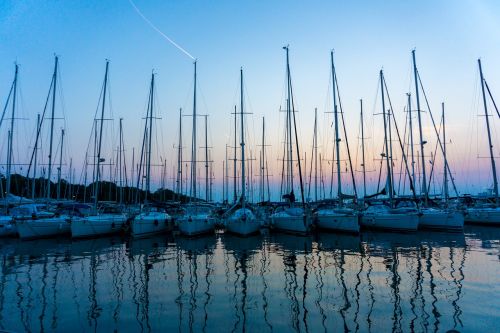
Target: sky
{"x": 366, "y": 36}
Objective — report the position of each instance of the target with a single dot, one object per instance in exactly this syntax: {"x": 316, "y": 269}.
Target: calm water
{"x": 373, "y": 282}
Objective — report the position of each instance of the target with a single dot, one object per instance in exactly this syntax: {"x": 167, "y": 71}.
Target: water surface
{"x": 427, "y": 281}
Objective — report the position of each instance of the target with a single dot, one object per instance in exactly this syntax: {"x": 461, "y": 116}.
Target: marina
{"x": 339, "y": 174}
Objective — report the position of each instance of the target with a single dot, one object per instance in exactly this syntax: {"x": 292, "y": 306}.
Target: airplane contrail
{"x": 160, "y": 32}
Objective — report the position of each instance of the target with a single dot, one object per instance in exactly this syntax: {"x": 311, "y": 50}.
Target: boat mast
{"x": 98, "y": 171}
{"x": 235, "y": 197}
{"x": 206, "y": 160}
{"x": 242, "y": 144}
{"x": 337, "y": 138}
{"x": 410, "y": 121}
{"x": 54, "y": 80}
{"x": 363, "y": 149}
{"x": 33, "y": 186}
{"x": 315, "y": 154}
{"x": 289, "y": 125}
{"x": 492, "y": 159}
{"x": 388, "y": 162}
{"x": 10, "y": 134}
{"x": 179, "y": 157}
{"x": 150, "y": 135}
{"x": 422, "y": 142}
{"x": 446, "y": 194}
{"x": 59, "y": 170}
{"x": 262, "y": 164}
{"x": 120, "y": 152}
{"x": 194, "y": 147}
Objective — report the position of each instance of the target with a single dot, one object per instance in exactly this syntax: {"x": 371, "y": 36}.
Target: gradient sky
{"x": 449, "y": 36}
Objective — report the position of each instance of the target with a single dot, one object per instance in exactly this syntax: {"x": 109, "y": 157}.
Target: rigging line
{"x": 159, "y": 31}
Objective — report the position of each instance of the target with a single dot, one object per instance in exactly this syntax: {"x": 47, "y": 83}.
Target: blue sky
{"x": 449, "y": 36}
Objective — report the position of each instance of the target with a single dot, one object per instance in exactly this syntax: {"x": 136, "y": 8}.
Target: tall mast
{"x": 235, "y": 196}
{"x": 98, "y": 171}
{"x": 422, "y": 142}
{"x": 226, "y": 188}
{"x": 179, "y": 157}
{"x": 206, "y": 160}
{"x": 363, "y": 148}
{"x": 54, "y": 80}
{"x": 410, "y": 121}
{"x": 315, "y": 154}
{"x": 289, "y": 125}
{"x": 389, "y": 168}
{"x": 242, "y": 144}
{"x": 337, "y": 138}
{"x": 33, "y": 186}
{"x": 150, "y": 135}
{"x": 444, "y": 157}
{"x": 262, "y": 163}
{"x": 59, "y": 170}
{"x": 492, "y": 159}
{"x": 11, "y": 132}
{"x": 120, "y": 160}
{"x": 194, "y": 146}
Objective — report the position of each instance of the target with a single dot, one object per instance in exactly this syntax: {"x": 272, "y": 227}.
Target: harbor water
{"x": 374, "y": 282}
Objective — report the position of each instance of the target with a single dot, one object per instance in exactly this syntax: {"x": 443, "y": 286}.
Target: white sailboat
{"x": 241, "y": 219}
{"x": 488, "y": 214}
{"x": 291, "y": 216}
{"x": 402, "y": 216}
{"x": 7, "y": 226}
{"x": 196, "y": 218}
{"x": 336, "y": 216}
{"x": 35, "y": 221}
{"x": 431, "y": 217}
{"x": 107, "y": 220}
{"x": 152, "y": 219}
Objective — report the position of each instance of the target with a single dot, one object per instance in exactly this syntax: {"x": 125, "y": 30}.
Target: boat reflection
{"x": 369, "y": 282}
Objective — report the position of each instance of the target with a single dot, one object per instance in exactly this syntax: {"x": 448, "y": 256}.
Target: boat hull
{"x": 7, "y": 227}
{"x": 243, "y": 222}
{"x": 43, "y": 228}
{"x": 391, "y": 222}
{"x": 94, "y": 226}
{"x": 292, "y": 221}
{"x": 483, "y": 216}
{"x": 150, "y": 223}
{"x": 441, "y": 220}
{"x": 193, "y": 226}
{"x": 331, "y": 220}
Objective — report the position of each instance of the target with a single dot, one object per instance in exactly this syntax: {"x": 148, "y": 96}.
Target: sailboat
{"x": 393, "y": 216}
{"x": 7, "y": 226}
{"x": 338, "y": 216}
{"x": 241, "y": 219}
{"x": 36, "y": 220}
{"x": 431, "y": 217}
{"x": 152, "y": 219}
{"x": 196, "y": 218}
{"x": 291, "y": 216}
{"x": 104, "y": 220}
{"x": 486, "y": 213}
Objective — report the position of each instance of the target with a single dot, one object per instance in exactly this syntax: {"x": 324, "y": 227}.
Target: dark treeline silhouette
{"x": 108, "y": 191}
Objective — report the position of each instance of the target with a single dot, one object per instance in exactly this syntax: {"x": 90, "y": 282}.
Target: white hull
{"x": 486, "y": 216}
{"x": 40, "y": 228}
{"x": 441, "y": 219}
{"x": 98, "y": 225}
{"x": 243, "y": 222}
{"x": 391, "y": 222}
{"x": 196, "y": 225}
{"x": 292, "y": 220}
{"x": 7, "y": 228}
{"x": 332, "y": 220}
{"x": 150, "y": 223}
